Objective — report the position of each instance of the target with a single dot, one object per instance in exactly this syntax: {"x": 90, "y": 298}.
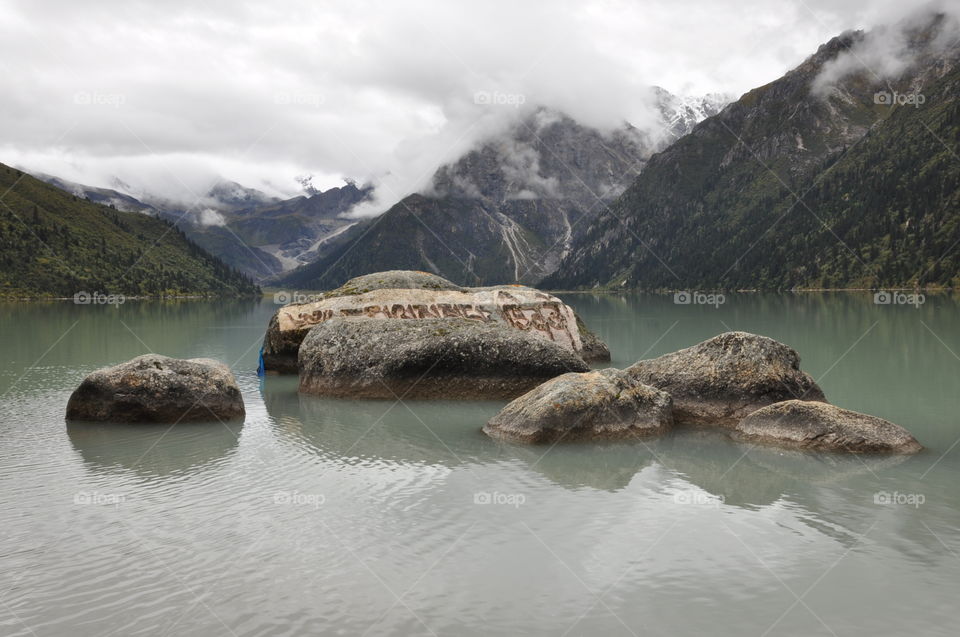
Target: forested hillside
{"x": 791, "y": 187}
{"x": 53, "y": 243}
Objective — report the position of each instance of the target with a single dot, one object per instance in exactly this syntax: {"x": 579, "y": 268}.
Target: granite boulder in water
{"x": 283, "y": 338}
{"x": 603, "y": 404}
{"x": 403, "y": 295}
{"x": 453, "y": 358}
{"x": 158, "y": 389}
{"x": 819, "y": 426}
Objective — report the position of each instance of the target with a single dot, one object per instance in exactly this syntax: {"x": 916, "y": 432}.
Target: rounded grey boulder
{"x": 603, "y": 404}
{"x": 427, "y": 358}
{"x": 721, "y": 380}
{"x": 819, "y": 426}
{"x": 158, "y": 389}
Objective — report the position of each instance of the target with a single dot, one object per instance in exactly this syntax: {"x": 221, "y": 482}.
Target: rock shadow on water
{"x": 603, "y": 466}
{"x": 154, "y": 450}
{"x": 411, "y": 432}
{"x": 449, "y": 434}
{"x": 444, "y": 433}
{"x": 752, "y": 476}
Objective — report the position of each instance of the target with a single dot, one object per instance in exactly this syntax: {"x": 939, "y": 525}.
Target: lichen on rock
{"x": 721, "y": 380}
{"x": 819, "y": 426}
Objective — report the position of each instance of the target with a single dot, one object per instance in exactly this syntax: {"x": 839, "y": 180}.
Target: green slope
{"x": 787, "y": 188}
{"x": 55, "y": 244}
{"x": 886, "y": 214}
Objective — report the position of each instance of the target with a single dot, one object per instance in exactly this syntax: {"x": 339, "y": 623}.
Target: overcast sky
{"x": 167, "y": 95}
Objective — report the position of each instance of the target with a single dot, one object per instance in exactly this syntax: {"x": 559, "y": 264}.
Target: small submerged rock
{"x": 604, "y": 404}
{"x": 158, "y": 389}
{"x": 820, "y": 426}
{"x": 721, "y": 380}
{"x": 428, "y": 358}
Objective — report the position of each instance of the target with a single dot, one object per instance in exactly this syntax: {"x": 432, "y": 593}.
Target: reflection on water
{"x": 88, "y": 337}
{"x": 439, "y": 432}
{"x": 747, "y": 475}
{"x": 741, "y": 474}
{"x": 153, "y": 449}
{"x": 315, "y": 515}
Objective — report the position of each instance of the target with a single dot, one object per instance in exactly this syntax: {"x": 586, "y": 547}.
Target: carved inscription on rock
{"x": 541, "y": 314}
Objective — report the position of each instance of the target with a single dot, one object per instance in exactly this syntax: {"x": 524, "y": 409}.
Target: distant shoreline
{"x": 269, "y": 292}
{"x": 751, "y": 291}
{"x": 142, "y": 297}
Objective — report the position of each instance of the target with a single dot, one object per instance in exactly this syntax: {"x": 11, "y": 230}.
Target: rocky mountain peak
{"x": 510, "y": 209}
{"x": 680, "y": 113}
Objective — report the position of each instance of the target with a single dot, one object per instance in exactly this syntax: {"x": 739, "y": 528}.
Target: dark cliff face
{"x": 768, "y": 193}
{"x": 550, "y": 156}
{"x": 507, "y": 211}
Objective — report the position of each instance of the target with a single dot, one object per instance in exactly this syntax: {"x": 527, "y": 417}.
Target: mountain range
{"x": 512, "y": 206}
{"x": 511, "y": 209}
{"x": 258, "y": 234}
{"x": 843, "y": 173}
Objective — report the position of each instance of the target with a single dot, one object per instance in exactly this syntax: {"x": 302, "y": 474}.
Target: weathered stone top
{"x": 607, "y": 403}
{"x": 395, "y": 280}
{"x": 158, "y": 367}
{"x": 730, "y": 362}
{"x": 541, "y": 314}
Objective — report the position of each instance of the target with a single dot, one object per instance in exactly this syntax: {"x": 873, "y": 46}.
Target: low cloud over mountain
{"x": 172, "y": 98}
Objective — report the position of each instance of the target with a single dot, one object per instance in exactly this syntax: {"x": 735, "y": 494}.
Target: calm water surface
{"x": 328, "y": 517}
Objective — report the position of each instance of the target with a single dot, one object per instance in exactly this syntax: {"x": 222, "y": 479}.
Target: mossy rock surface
{"x": 427, "y": 358}
{"x": 721, "y": 380}
{"x": 423, "y": 293}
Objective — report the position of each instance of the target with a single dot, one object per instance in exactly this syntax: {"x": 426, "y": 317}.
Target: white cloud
{"x": 210, "y": 217}
{"x": 884, "y": 53}
{"x": 169, "y": 96}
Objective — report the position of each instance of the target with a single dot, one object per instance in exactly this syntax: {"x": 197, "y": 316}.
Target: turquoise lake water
{"x": 319, "y": 516}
